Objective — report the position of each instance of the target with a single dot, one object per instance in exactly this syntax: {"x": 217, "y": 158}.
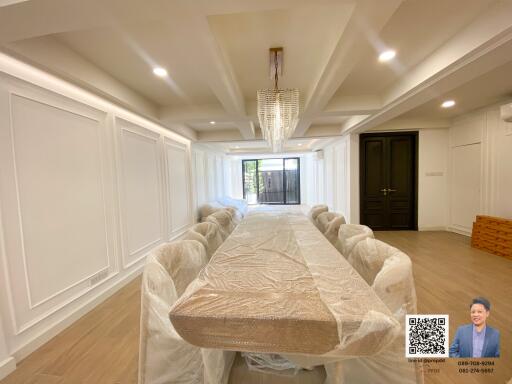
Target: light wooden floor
{"x": 448, "y": 273}
{"x": 101, "y": 348}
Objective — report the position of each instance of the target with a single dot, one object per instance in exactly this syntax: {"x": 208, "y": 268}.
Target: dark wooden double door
{"x": 388, "y": 181}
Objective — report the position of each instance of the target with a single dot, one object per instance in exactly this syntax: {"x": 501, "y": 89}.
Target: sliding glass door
{"x": 272, "y": 181}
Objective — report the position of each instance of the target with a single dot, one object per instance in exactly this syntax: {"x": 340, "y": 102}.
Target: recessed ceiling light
{"x": 160, "y": 72}
{"x": 448, "y": 104}
{"x": 387, "y": 55}
{"x": 300, "y": 144}
{"x": 237, "y": 146}
{"x": 212, "y": 122}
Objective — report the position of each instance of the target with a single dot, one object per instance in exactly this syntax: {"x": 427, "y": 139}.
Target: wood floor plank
{"x": 448, "y": 273}
{"x": 102, "y": 346}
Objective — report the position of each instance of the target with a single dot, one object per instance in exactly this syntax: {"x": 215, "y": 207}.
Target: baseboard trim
{"x": 438, "y": 228}
{"x": 7, "y": 366}
{"x": 53, "y": 330}
{"x": 460, "y": 231}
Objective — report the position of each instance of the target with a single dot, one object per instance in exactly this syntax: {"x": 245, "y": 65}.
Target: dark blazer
{"x": 462, "y": 345}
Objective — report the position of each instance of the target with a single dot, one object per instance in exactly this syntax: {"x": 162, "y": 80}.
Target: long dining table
{"x": 276, "y": 285}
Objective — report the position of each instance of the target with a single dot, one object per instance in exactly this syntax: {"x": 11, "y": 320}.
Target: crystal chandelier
{"x": 278, "y": 109}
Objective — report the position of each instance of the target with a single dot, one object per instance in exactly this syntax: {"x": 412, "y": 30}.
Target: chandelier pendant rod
{"x": 276, "y": 76}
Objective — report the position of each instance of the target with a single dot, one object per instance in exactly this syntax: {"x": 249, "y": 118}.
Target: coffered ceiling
{"x": 216, "y": 56}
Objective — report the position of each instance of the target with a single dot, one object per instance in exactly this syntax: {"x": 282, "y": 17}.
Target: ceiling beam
{"x": 223, "y": 135}
{"x": 220, "y": 75}
{"x": 479, "y": 48}
{"x": 400, "y": 124}
{"x": 368, "y": 18}
{"x": 352, "y": 105}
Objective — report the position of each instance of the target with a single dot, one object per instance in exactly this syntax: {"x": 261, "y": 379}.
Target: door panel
{"x": 388, "y": 181}
{"x": 374, "y": 203}
{"x": 374, "y": 167}
{"x": 401, "y": 169}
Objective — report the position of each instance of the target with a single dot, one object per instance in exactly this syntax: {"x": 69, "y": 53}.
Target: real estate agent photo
{"x": 477, "y": 340}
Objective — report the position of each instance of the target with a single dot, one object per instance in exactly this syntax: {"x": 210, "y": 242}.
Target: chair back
{"x": 207, "y": 209}
{"x": 349, "y": 235}
{"x": 224, "y": 220}
{"x": 240, "y": 204}
{"x": 332, "y": 229}
{"x": 236, "y": 216}
{"x": 164, "y": 356}
{"x": 316, "y": 210}
{"x": 324, "y": 218}
{"x": 208, "y": 234}
{"x": 389, "y": 271}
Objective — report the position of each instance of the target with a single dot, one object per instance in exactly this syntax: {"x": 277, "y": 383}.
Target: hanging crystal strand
{"x": 278, "y": 111}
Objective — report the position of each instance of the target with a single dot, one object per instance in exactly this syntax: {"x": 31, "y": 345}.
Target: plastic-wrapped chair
{"x": 349, "y": 235}
{"x": 164, "y": 357}
{"x": 236, "y": 216}
{"x": 207, "y": 209}
{"x": 207, "y": 234}
{"x": 257, "y": 370}
{"x": 333, "y": 228}
{"x": 389, "y": 272}
{"x": 240, "y": 204}
{"x": 315, "y": 211}
{"x": 324, "y": 218}
{"x": 223, "y": 218}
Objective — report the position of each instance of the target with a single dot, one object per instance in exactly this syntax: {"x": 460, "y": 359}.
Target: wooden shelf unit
{"x": 493, "y": 234}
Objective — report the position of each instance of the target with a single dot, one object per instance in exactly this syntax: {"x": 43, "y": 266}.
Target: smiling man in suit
{"x": 477, "y": 339}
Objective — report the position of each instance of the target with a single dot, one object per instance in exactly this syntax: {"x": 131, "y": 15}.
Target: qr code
{"x": 426, "y": 336}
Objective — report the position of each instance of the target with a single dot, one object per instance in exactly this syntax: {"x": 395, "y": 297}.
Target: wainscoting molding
{"x": 72, "y": 171}
{"x": 41, "y": 220}
{"x": 140, "y": 181}
{"x": 178, "y": 190}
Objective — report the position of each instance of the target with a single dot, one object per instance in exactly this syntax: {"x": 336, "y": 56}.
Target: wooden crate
{"x": 492, "y": 234}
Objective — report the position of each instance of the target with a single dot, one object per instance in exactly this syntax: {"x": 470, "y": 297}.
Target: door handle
{"x": 385, "y": 191}
{"x": 391, "y": 190}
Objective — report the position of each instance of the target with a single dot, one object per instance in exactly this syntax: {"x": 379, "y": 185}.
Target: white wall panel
{"x": 465, "y": 185}
{"x": 480, "y": 170}
{"x": 219, "y": 177}
{"x": 320, "y": 164}
{"x": 200, "y": 177}
{"x": 60, "y": 196}
{"x": 467, "y": 130}
{"x": 140, "y": 190}
{"x": 56, "y": 202}
{"x": 236, "y": 178}
{"x": 210, "y": 167}
{"x": 178, "y": 180}
{"x": 334, "y": 186}
{"x": 7, "y": 362}
{"x": 227, "y": 176}
{"x": 433, "y": 179}
{"x": 81, "y": 194}
{"x": 501, "y": 155}
{"x": 342, "y": 181}
{"x": 329, "y": 172}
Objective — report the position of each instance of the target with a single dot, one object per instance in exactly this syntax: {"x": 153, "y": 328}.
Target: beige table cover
{"x": 277, "y": 285}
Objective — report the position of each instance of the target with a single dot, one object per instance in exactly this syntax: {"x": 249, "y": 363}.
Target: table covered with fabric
{"x": 277, "y": 285}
